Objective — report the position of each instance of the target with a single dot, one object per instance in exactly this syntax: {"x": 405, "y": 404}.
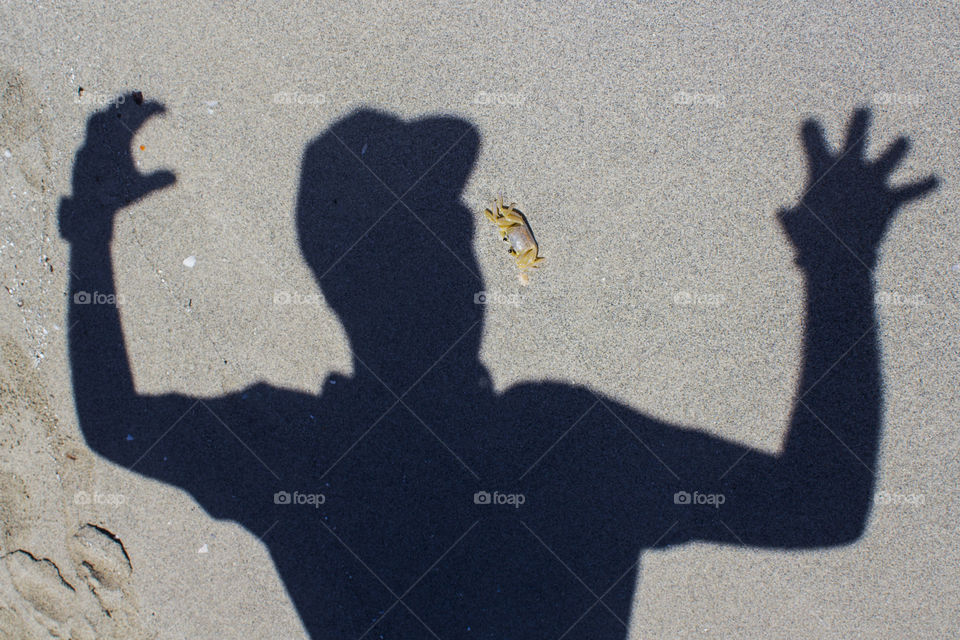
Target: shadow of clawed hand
{"x": 105, "y": 178}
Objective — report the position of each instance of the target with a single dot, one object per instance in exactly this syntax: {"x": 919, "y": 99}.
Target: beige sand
{"x": 651, "y": 146}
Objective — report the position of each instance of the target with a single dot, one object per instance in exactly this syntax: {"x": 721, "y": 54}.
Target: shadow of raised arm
{"x": 818, "y": 491}
{"x": 105, "y": 180}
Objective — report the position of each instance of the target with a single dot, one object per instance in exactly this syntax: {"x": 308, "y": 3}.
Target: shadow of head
{"x": 381, "y": 224}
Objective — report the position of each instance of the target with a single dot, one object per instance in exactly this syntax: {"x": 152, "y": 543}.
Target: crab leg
{"x": 528, "y": 259}
{"x": 514, "y": 219}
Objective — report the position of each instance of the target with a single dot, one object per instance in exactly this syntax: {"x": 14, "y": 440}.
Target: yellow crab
{"x": 514, "y": 228}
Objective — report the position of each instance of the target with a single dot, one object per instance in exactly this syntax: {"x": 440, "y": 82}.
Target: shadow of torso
{"x": 575, "y": 495}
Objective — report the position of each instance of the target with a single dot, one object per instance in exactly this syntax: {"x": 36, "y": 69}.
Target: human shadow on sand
{"x": 422, "y": 466}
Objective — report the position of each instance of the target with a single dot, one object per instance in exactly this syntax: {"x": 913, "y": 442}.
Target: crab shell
{"x": 520, "y": 238}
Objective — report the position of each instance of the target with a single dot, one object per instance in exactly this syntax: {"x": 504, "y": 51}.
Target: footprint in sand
{"x": 97, "y": 604}
{"x": 23, "y": 128}
{"x": 74, "y": 583}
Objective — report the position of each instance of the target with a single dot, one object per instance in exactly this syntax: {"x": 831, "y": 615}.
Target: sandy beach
{"x": 650, "y": 147}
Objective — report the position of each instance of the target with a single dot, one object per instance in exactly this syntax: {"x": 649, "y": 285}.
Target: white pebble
{"x": 190, "y": 262}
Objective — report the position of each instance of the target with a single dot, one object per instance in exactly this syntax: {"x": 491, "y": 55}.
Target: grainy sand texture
{"x": 650, "y": 146}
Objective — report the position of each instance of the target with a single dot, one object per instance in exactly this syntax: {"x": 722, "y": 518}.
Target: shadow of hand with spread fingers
{"x": 413, "y": 500}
